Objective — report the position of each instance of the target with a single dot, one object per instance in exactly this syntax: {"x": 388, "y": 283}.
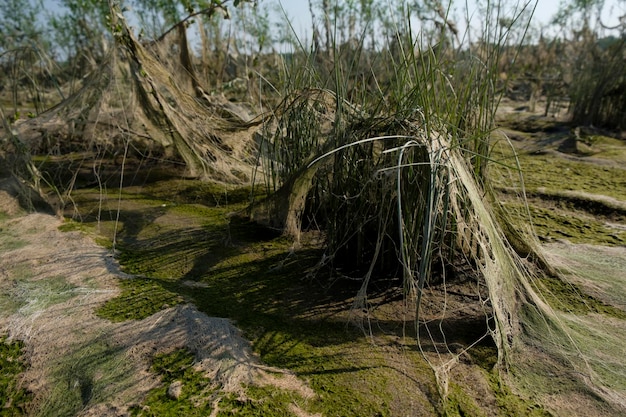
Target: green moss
{"x": 543, "y": 169}
{"x": 562, "y": 174}
{"x": 605, "y": 147}
{"x": 260, "y": 401}
{"x": 556, "y": 223}
{"x": 610, "y": 148}
{"x": 72, "y": 226}
{"x": 257, "y": 289}
{"x": 568, "y": 297}
{"x": 13, "y": 399}
{"x": 104, "y": 242}
{"x": 510, "y": 404}
{"x": 484, "y": 356}
{"x": 529, "y": 123}
{"x": 601, "y": 271}
{"x": 31, "y": 296}
{"x": 175, "y": 366}
{"x": 201, "y": 192}
{"x": 249, "y": 274}
{"x": 47, "y": 292}
{"x": 92, "y": 373}
{"x": 459, "y": 404}
{"x": 347, "y": 384}
{"x": 140, "y": 298}
{"x": 339, "y": 391}
{"x": 208, "y": 214}
{"x": 551, "y": 224}
{"x": 9, "y": 240}
{"x": 198, "y": 393}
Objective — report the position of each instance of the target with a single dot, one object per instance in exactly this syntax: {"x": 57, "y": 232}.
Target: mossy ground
{"x": 536, "y": 146}
{"x": 84, "y": 376}
{"x": 569, "y": 297}
{"x": 199, "y": 396}
{"x": 542, "y": 170}
{"x": 554, "y": 222}
{"x": 13, "y": 399}
{"x": 183, "y": 241}
{"x": 9, "y": 239}
{"x": 565, "y": 196}
{"x": 241, "y": 272}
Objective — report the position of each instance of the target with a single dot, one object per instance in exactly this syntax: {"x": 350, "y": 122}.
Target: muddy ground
{"x": 54, "y": 284}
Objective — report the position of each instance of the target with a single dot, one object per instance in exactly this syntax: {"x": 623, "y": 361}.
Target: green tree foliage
{"x": 80, "y": 33}
{"x": 23, "y": 49}
{"x": 18, "y": 24}
{"x": 598, "y": 71}
{"x": 156, "y": 17}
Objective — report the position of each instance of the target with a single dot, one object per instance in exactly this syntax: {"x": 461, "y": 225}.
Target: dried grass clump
{"x": 135, "y": 104}
{"x": 402, "y": 194}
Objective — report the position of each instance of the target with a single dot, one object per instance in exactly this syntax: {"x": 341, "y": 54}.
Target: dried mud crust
{"x": 73, "y": 353}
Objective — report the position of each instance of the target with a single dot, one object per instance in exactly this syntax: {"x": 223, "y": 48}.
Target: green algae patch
{"x": 140, "y": 298}
{"x": 560, "y": 174}
{"x": 89, "y": 230}
{"x": 43, "y": 293}
{"x": 92, "y": 373}
{"x": 72, "y": 226}
{"x": 197, "y": 392}
{"x": 14, "y": 400}
{"x": 599, "y": 270}
{"x": 609, "y": 147}
{"x": 459, "y": 404}
{"x": 260, "y": 401}
{"x": 554, "y": 223}
{"x": 600, "y": 146}
{"x": 341, "y": 388}
{"x": 510, "y": 404}
{"x": 10, "y": 239}
{"x": 27, "y": 295}
{"x": 347, "y": 381}
{"x": 229, "y": 267}
{"x": 181, "y": 191}
{"x": 11, "y": 242}
{"x": 507, "y": 403}
{"x": 187, "y": 391}
{"x": 569, "y": 297}
{"x": 183, "y": 249}
{"x": 259, "y": 288}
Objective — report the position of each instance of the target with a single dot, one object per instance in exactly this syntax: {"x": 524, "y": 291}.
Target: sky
{"x": 298, "y": 11}
{"x": 546, "y": 9}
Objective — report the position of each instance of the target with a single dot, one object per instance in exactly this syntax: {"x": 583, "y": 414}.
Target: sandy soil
{"x": 53, "y": 281}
